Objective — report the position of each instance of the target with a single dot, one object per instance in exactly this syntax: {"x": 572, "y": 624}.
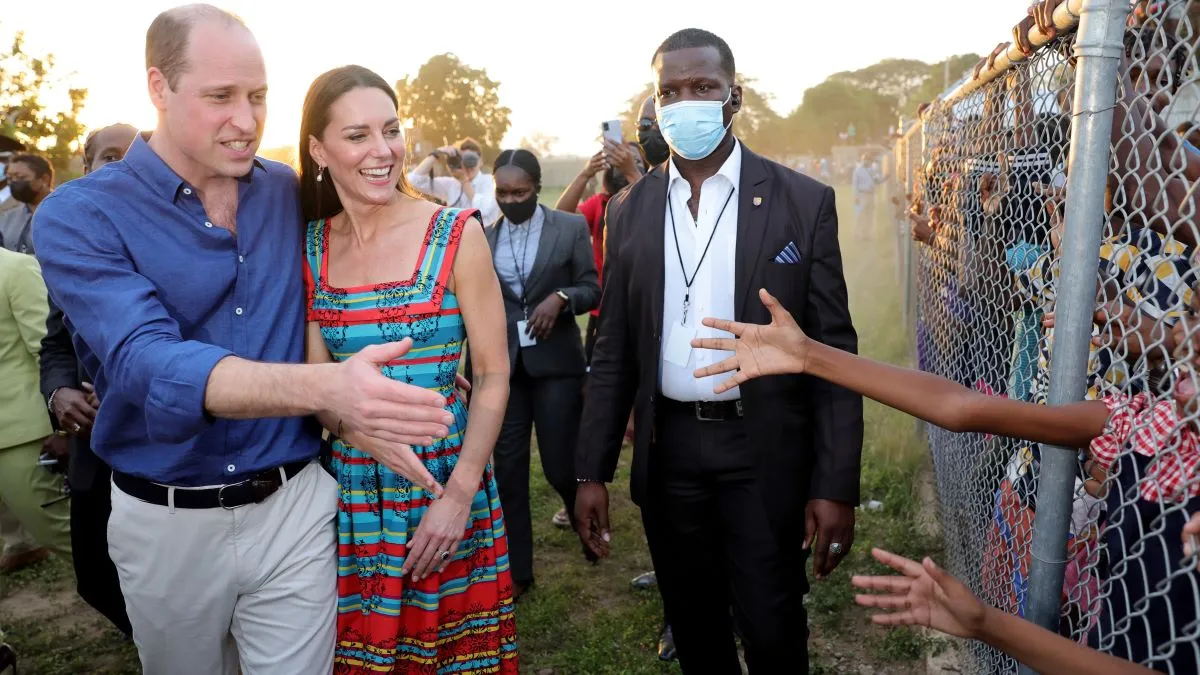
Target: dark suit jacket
{"x": 60, "y": 368}
{"x": 806, "y": 432}
{"x": 563, "y": 262}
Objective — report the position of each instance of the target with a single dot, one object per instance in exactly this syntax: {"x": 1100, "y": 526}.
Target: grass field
{"x": 582, "y": 619}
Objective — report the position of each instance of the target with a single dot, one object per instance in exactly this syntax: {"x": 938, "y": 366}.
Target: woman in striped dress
{"x": 423, "y": 576}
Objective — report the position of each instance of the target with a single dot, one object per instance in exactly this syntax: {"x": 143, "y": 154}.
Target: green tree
{"x": 829, "y": 108}
{"x": 448, "y": 100}
{"x": 935, "y": 83}
{"x": 25, "y": 80}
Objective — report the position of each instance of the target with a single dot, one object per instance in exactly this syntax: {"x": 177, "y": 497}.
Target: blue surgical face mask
{"x": 694, "y": 129}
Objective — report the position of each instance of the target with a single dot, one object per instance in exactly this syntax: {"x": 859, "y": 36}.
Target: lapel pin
{"x": 757, "y": 201}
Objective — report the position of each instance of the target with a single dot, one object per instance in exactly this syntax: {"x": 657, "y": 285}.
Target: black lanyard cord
{"x": 687, "y": 294}
{"x": 519, "y": 265}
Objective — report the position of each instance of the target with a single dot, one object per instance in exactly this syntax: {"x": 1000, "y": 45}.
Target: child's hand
{"x": 1191, "y": 536}
{"x": 925, "y": 596}
{"x": 777, "y": 348}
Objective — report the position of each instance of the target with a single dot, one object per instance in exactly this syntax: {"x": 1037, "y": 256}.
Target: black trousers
{"x": 96, "y": 578}
{"x": 713, "y": 552}
{"x": 552, "y": 405}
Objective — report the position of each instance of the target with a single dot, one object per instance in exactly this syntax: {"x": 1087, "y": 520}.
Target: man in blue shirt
{"x": 179, "y": 271}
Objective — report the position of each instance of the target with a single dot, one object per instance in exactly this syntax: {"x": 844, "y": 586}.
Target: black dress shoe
{"x": 666, "y": 645}
{"x": 643, "y": 582}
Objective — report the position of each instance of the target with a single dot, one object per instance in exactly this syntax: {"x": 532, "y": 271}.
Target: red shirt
{"x": 592, "y": 210}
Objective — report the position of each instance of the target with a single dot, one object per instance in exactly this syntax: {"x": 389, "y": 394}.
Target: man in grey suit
{"x": 548, "y": 276}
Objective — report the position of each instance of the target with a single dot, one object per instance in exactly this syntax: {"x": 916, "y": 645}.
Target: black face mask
{"x": 519, "y": 212}
{"x": 654, "y": 145}
{"x": 22, "y": 191}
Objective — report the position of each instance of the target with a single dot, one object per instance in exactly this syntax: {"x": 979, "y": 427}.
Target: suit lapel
{"x": 654, "y": 216}
{"x": 754, "y": 206}
{"x": 546, "y": 244}
{"x": 493, "y": 238}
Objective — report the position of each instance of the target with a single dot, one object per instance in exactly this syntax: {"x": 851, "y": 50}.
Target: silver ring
{"x": 77, "y": 428}
{"x": 835, "y": 548}
{"x": 443, "y": 556}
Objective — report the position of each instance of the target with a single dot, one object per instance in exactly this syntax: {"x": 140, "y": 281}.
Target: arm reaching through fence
{"x": 782, "y": 347}
{"x": 927, "y": 596}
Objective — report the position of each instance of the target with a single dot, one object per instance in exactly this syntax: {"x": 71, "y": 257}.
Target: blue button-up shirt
{"x": 155, "y": 295}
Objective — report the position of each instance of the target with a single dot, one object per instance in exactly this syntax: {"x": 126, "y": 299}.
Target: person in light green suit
{"x": 24, "y": 420}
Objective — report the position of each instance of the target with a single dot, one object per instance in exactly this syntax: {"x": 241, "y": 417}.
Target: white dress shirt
{"x": 712, "y": 290}
{"x": 445, "y": 188}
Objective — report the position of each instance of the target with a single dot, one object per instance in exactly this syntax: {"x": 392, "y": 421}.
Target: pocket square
{"x": 790, "y": 255}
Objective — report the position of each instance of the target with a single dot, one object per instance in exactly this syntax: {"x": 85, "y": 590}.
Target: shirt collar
{"x": 151, "y": 168}
{"x": 731, "y": 169}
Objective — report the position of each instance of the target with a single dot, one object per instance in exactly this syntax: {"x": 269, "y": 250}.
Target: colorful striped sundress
{"x": 458, "y": 621}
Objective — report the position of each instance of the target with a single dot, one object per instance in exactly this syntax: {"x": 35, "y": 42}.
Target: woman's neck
{"x": 364, "y": 222}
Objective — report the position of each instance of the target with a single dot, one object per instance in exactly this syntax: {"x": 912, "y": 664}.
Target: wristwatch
{"x": 562, "y": 294}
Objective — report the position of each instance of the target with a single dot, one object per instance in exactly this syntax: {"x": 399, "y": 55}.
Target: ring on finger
{"x": 443, "y": 556}
{"x": 835, "y": 548}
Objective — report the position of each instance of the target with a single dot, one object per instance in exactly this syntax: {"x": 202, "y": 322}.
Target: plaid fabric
{"x": 1150, "y": 270}
{"x": 1152, "y": 429}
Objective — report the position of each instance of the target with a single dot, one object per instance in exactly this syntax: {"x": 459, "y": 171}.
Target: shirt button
{"x": 208, "y": 224}
{"x": 238, "y": 311}
{"x": 231, "y": 468}
{"x": 241, "y": 258}
{"x": 187, "y": 191}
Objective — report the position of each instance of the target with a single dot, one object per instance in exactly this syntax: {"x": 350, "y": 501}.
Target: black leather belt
{"x": 705, "y": 411}
{"x": 250, "y": 491}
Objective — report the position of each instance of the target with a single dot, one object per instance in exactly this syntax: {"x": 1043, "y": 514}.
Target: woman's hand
{"x": 774, "y": 349}
{"x": 438, "y": 536}
{"x": 924, "y": 596}
{"x": 595, "y": 165}
{"x": 544, "y": 316}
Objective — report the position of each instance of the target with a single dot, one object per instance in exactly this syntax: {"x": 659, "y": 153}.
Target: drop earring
{"x": 320, "y": 173}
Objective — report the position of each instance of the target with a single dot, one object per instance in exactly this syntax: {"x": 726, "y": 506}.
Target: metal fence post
{"x": 1098, "y": 47}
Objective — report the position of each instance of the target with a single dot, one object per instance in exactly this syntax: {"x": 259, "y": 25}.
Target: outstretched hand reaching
{"x": 777, "y": 348}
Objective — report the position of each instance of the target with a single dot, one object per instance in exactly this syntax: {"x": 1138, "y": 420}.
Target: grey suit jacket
{"x": 564, "y": 262}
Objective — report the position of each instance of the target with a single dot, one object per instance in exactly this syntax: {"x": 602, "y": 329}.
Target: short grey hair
{"x": 169, "y": 33}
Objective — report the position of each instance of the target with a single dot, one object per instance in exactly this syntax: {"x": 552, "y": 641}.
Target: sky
{"x": 562, "y": 72}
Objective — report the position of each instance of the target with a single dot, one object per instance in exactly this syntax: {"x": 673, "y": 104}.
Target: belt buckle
{"x": 701, "y": 412}
{"x": 221, "y": 495}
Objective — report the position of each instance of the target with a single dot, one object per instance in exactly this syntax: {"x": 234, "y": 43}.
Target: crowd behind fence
{"x": 1046, "y": 209}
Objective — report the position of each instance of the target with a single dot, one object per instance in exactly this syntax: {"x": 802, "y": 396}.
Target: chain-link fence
{"x": 1052, "y": 258}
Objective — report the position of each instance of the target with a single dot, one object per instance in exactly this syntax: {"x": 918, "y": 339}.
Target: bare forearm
{"x": 1046, "y": 652}
{"x": 569, "y": 201}
{"x": 241, "y": 389}
{"x": 954, "y": 407}
{"x": 489, "y": 397}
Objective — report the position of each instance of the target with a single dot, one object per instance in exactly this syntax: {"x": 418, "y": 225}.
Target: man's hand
{"x": 541, "y": 322}
{"x": 385, "y": 415}
{"x": 827, "y": 523}
{"x": 591, "y": 517}
{"x": 924, "y": 596}
{"x": 777, "y": 348}
{"x": 462, "y": 389}
{"x": 74, "y": 410}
